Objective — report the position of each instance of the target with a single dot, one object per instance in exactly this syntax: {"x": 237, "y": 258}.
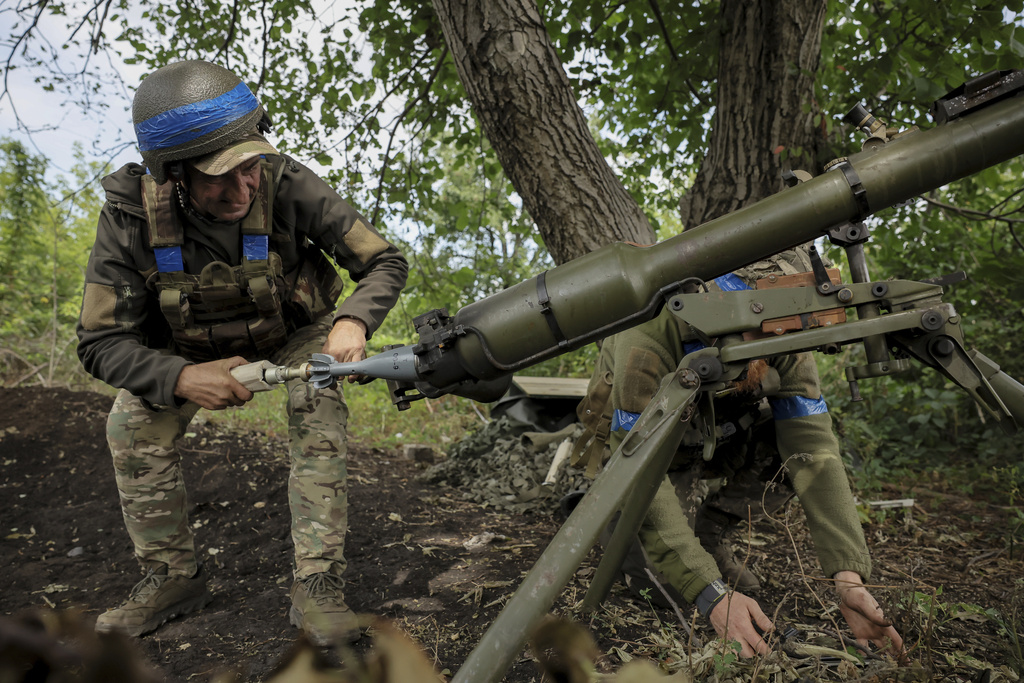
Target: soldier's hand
{"x": 865, "y": 616}
{"x": 347, "y": 342}
{"x": 211, "y": 384}
{"x": 735, "y": 617}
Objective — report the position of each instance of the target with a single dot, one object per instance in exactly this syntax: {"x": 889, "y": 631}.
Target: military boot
{"x": 711, "y": 525}
{"x": 319, "y": 609}
{"x": 155, "y": 600}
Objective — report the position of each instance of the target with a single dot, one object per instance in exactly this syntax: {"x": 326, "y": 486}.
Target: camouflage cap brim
{"x": 227, "y": 158}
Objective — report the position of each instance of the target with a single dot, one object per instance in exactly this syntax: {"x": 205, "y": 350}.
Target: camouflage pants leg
{"x": 318, "y": 449}
{"x": 147, "y": 467}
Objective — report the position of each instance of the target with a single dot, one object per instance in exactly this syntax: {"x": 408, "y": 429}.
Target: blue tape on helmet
{"x": 168, "y": 259}
{"x": 797, "y": 406}
{"x": 190, "y": 121}
{"x": 255, "y": 247}
{"x": 624, "y": 420}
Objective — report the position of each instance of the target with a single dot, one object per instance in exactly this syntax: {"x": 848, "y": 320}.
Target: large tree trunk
{"x": 767, "y": 59}
{"x": 526, "y": 106}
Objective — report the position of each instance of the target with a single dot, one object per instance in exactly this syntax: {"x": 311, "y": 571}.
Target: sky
{"x": 48, "y": 125}
{"x": 50, "y": 129}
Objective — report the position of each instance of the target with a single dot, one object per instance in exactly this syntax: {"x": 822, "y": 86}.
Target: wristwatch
{"x": 711, "y": 596}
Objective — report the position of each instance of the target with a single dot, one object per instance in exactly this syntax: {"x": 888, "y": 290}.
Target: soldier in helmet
{"x": 773, "y": 436}
{"x": 209, "y": 256}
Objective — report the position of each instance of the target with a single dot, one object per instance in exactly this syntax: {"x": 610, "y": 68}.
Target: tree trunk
{"x": 767, "y": 59}
{"x": 524, "y": 102}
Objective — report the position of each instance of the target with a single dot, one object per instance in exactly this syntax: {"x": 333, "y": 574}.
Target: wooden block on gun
{"x": 792, "y": 323}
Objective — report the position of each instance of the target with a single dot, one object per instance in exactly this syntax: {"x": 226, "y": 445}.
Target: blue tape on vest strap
{"x": 168, "y": 259}
{"x": 190, "y": 121}
{"x": 622, "y": 420}
{"x": 255, "y": 247}
{"x": 797, "y": 406}
{"x": 731, "y": 282}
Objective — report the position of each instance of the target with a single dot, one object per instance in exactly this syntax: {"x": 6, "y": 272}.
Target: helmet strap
{"x": 184, "y": 198}
{"x": 176, "y": 171}
{"x": 264, "y": 124}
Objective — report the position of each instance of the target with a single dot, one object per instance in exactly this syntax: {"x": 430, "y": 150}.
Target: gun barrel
{"x": 622, "y": 285}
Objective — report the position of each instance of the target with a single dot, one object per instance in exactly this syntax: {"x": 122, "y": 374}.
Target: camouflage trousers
{"x": 154, "y": 502}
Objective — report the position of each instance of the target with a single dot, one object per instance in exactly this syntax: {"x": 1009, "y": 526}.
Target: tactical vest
{"x": 245, "y": 310}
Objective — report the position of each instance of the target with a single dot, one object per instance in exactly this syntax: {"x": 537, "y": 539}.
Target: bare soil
{"x": 63, "y": 547}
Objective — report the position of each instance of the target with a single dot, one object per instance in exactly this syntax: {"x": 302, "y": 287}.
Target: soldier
{"x": 773, "y": 431}
{"x": 210, "y": 256}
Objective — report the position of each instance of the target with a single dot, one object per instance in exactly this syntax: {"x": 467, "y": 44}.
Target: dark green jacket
{"x": 638, "y": 359}
{"x": 123, "y": 336}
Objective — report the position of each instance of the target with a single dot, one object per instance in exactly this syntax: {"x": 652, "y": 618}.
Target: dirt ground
{"x": 63, "y": 546}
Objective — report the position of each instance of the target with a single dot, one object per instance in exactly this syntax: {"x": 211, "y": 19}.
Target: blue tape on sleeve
{"x": 731, "y": 282}
{"x": 690, "y": 347}
{"x": 797, "y": 406}
{"x": 255, "y": 247}
{"x": 622, "y": 420}
{"x": 168, "y": 259}
{"x": 190, "y": 121}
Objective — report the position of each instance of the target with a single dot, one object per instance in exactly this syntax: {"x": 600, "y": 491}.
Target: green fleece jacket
{"x": 124, "y": 339}
{"x": 642, "y": 356}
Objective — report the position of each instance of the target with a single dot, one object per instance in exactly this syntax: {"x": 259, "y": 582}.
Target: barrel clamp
{"x": 544, "y": 301}
{"x": 860, "y": 195}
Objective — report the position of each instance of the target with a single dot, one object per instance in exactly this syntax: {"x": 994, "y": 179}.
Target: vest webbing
{"x": 225, "y": 310}
{"x": 167, "y": 232}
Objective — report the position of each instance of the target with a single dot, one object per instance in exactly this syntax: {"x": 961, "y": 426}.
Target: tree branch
{"x": 380, "y": 105}
{"x": 97, "y": 33}
{"x": 25, "y": 35}
{"x": 266, "y": 43}
{"x": 398, "y": 119}
{"x": 229, "y": 38}
{"x": 973, "y": 213}
{"x": 986, "y": 215}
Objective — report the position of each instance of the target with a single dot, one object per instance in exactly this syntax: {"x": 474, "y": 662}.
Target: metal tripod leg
{"x": 1009, "y": 390}
{"x": 642, "y": 459}
{"x": 991, "y": 388}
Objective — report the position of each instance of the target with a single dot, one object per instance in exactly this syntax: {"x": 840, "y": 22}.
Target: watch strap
{"x": 711, "y": 596}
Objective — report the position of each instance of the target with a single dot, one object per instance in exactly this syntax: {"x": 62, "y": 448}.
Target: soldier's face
{"x": 225, "y": 197}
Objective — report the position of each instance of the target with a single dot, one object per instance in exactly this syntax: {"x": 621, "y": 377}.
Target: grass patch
{"x": 373, "y": 420}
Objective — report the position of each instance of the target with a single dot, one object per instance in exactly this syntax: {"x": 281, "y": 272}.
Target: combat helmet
{"x": 191, "y": 108}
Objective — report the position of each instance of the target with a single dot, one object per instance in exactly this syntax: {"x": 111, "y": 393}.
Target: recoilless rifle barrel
{"x": 475, "y": 352}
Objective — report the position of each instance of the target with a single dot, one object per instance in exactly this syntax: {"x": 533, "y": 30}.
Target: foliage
{"x": 46, "y": 231}
{"x": 933, "y": 613}
{"x": 369, "y": 92}
{"x": 1011, "y": 621}
{"x": 465, "y": 239}
{"x": 898, "y": 56}
{"x": 918, "y": 418}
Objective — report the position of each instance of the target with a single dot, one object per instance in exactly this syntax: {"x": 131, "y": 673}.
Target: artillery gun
{"x": 475, "y": 352}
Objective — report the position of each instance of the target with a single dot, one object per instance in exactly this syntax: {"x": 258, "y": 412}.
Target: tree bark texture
{"x": 768, "y": 55}
{"x": 525, "y": 103}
